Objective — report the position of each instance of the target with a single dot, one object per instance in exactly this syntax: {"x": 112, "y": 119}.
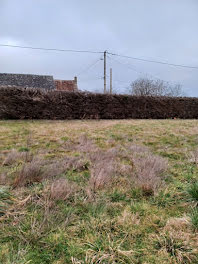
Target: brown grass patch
{"x": 3, "y": 178}
{"x": 61, "y": 166}
{"x": 30, "y": 172}
{"x": 85, "y": 144}
{"x": 178, "y": 241}
{"x": 148, "y": 172}
{"x": 14, "y": 156}
{"x": 103, "y": 168}
{"x": 61, "y": 189}
{"x": 194, "y": 156}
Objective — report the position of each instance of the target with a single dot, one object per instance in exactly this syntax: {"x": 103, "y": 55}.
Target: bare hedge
{"x": 21, "y": 103}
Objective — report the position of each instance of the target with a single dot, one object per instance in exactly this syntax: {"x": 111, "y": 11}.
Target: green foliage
{"x": 24, "y": 149}
{"x": 5, "y": 200}
{"x": 193, "y": 191}
{"x": 194, "y": 218}
{"x": 175, "y": 248}
{"x": 118, "y": 196}
{"x": 65, "y": 138}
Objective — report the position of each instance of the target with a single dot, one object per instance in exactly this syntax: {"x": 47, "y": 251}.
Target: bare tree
{"x": 149, "y": 87}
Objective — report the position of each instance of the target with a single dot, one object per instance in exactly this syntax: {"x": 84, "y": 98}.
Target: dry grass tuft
{"x": 194, "y": 156}
{"x": 85, "y": 144}
{"x": 182, "y": 224}
{"x": 102, "y": 170}
{"x": 61, "y": 166}
{"x": 178, "y": 241}
{"x": 148, "y": 172}
{"x": 128, "y": 218}
{"x": 38, "y": 169}
{"x": 14, "y": 156}
{"x": 3, "y": 178}
{"x": 31, "y": 172}
{"x": 61, "y": 189}
{"x": 145, "y": 168}
{"x": 137, "y": 149}
{"x": 179, "y": 250}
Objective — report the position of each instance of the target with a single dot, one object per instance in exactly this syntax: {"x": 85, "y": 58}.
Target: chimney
{"x": 76, "y": 83}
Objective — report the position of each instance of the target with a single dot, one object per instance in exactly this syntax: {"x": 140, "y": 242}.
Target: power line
{"x": 154, "y": 61}
{"x": 128, "y": 66}
{"x": 92, "y": 79}
{"x": 133, "y": 69}
{"x": 89, "y": 67}
{"x": 100, "y": 52}
{"x": 50, "y": 49}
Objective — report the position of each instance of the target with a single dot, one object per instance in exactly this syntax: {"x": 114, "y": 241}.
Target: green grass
{"x": 119, "y": 223}
{"x": 193, "y": 192}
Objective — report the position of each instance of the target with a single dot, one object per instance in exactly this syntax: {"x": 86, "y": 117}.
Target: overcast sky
{"x": 165, "y": 30}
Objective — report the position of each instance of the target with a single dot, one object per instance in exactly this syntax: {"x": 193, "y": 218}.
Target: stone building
{"x": 38, "y": 81}
{"x": 63, "y": 85}
{"x": 27, "y": 80}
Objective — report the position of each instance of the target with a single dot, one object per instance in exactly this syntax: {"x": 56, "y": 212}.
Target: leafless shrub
{"x": 149, "y": 87}
{"x": 102, "y": 170}
{"x": 14, "y": 156}
{"x": 148, "y": 171}
{"x": 61, "y": 189}
{"x": 30, "y": 172}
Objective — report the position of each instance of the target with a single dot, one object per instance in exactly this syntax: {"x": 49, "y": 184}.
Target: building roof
{"x": 27, "y": 80}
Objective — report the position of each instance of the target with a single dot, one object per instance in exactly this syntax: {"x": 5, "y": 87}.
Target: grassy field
{"x": 99, "y": 191}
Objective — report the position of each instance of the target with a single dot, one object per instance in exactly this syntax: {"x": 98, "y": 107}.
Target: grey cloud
{"x": 155, "y": 29}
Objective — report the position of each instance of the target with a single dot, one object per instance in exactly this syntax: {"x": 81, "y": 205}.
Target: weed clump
{"x": 30, "y": 172}
{"x": 193, "y": 192}
{"x": 145, "y": 169}
{"x": 194, "y": 218}
{"x": 103, "y": 168}
{"x": 85, "y": 144}
{"x": 178, "y": 250}
{"x": 148, "y": 172}
{"x": 194, "y": 156}
{"x": 178, "y": 241}
{"x": 5, "y": 200}
{"x": 14, "y": 156}
{"x": 61, "y": 166}
{"x": 61, "y": 189}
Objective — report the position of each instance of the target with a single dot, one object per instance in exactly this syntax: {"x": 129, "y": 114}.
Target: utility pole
{"x": 105, "y": 77}
{"x": 110, "y": 80}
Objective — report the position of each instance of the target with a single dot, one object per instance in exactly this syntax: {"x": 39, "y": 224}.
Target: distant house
{"x": 63, "y": 85}
{"x": 27, "y": 80}
{"x": 37, "y": 81}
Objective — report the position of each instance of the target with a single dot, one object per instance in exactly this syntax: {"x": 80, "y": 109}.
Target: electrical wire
{"x": 133, "y": 69}
{"x": 89, "y": 67}
{"x": 154, "y": 61}
{"x": 101, "y": 52}
{"x": 50, "y": 49}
